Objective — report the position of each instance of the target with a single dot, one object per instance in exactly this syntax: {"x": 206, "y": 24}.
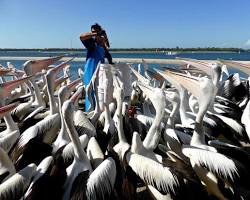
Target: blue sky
{"x": 129, "y": 23}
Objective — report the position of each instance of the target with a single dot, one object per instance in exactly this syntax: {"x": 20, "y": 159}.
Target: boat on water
{"x": 169, "y": 53}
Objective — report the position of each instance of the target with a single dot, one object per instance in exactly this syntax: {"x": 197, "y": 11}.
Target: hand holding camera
{"x": 101, "y": 33}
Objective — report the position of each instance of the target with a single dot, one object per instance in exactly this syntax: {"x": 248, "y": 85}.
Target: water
{"x": 245, "y": 56}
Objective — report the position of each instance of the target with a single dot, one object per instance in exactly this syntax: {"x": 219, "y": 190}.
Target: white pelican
{"x": 7, "y": 140}
{"x": 31, "y": 67}
{"x": 12, "y": 131}
{"x": 17, "y": 184}
{"x": 209, "y": 165}
{"x": 100, "y": 181}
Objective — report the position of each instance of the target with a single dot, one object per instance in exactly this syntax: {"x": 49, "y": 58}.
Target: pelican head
{"x": 7, "y": 87}
{"x": 156, "y": 96}
{"x": 31, "y": 67}
{"x": 202, "y": 88}
{"x": 7, "y": 109}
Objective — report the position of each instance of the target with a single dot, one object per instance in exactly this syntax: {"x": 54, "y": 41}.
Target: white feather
{"x": 68, "y": 151}
{"x": 16, "y": 185}
{"x": 215, "y": 162}
{"x": 26, "y": 136}
{"x": 84, "y": 126}
{"x": 232, "y": 123}
{"x": 102, "y": 180}
{"x": 6, "y": 165}
{"x": 48, "y": 127}
{"x": 9, "y": 140}
{"x": 41, "y": 169}
{"x": 152, "y": 172}
{"x": 94, "y": 153}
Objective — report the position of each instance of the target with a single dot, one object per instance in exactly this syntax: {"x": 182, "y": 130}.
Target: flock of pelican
{"x": 160, "y": 133}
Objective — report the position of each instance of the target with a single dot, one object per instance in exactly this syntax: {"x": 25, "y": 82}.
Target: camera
{"x": 101, "y": 33}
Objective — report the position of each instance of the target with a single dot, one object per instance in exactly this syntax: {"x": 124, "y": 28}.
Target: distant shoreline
{"x": 135, "y": 52}
{"x": 167, "y": 51}
{"x": 177, "y": 52}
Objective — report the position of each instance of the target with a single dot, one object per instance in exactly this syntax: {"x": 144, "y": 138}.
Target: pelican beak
{"x": 51, "y": 67}
{"x": 73, "y": 84}
{"x": 145, "y": 64}
{"x": 31, "y": 67}
{"x": 38, "y": 74}
{"x": 76, "y": 95}
{"x": 156, "y": 76}
{"x": 195, "y": 70}
{"x": 18, "y": 72}
{"x": 60, "y": 80}
{"x": 188, "y": 82}
{"x": 147, "y": 90}
{"x": 168, "y": 78}
{"x": 7, "y": 87}
{"x": 6, "y": 109}
{"x": 139, "y": 76}
{"x": 201, "y": 65}
{"x": 61, "y": 66}
{"x": 237, "y": 65}
{"x": 225, "y": 70}
{"x": 4, "y": 72}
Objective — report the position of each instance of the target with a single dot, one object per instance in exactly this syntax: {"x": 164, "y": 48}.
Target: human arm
{"x": 86, "y": 36}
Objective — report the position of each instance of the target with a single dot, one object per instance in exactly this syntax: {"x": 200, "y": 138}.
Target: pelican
{"x": 17, "y": 184}
{"x": 246, "y": 69}
{"x": 43, "y": 133}
{"x": 122, "y": 145}
{"x": 7, "y": 140}
{"x": 50, "y": 78}
{"x": 31, "y": 67}
{"x": 199, "y": 152}
{"x": 7, "y": 168}
{"x": 99, "y": 182}
{"x": 12, "y": 132}
{"x": 48, "y": 180}
{"x": 63, "y": 94}
{"x": 215, "y": 124}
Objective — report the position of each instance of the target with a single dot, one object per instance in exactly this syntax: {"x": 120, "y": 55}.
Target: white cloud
{"x": 247, "y": 43}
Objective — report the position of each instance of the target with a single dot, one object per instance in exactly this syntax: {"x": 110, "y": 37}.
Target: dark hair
{"x": 96, "y": 27}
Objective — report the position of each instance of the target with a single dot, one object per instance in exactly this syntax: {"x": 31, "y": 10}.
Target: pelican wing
{"x": 215, "y": 162}
{"x": 152, "y": 172}
{"x": 23, "y": 140}
{"x": 94, "y": 153}
{"x": 68, "y": 151}
{"x": 7, "y": 141}
{"x": 48, "y": 127}
{"x": 101, "y": 181}
{"x": 83, "y": 125}
{"x": 229, "y": 86}
{"x": 16, "y": 185}
{"x": 41, "y": 169}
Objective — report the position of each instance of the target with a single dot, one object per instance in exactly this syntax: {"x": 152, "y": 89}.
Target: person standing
{"x": 97, "y": 44}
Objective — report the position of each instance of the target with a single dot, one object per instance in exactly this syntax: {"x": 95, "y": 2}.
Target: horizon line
{"x": 132, "y": 48}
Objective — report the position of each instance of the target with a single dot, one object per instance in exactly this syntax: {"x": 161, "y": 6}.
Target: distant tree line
{"x": 136, "y": 49}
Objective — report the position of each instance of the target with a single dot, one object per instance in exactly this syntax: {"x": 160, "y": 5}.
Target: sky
{"x": 128, "y": 23}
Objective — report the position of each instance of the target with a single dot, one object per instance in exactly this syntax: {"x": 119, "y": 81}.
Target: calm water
{"x": 75, "y": 65}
